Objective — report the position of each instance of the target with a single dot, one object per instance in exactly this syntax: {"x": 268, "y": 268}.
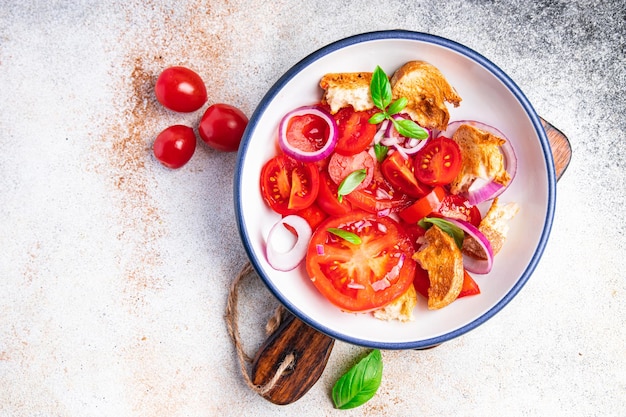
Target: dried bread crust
{"x": 427, "y": 92}
{"x": 347, "y": 89}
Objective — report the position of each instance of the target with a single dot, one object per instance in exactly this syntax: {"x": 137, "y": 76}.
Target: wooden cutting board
{"x": 307, "y": 350}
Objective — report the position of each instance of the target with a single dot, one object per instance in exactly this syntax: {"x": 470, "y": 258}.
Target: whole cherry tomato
{"x": 222, "y": 126}
{"x": 180, "y": 89}
{"x": 174, "y": 146}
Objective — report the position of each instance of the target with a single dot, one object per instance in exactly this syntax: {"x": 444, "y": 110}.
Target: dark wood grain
{"x": 561, "y": 148}
{"x": 311, "y": 350}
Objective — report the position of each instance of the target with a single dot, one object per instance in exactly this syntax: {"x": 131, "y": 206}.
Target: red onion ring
{"x": 302, "y": 155}
{"x": 288, "y": 260}
{"x": 475, "y": 265}
{"x": 406, "y": 146}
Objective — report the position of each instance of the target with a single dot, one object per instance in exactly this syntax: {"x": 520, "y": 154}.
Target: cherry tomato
{"x": 424, "y": 206}
{"x": 308, "y": 132}
{"x": 439, "y": 162}
{"x": 399, "y": 172}
{"x": 364, "y": 276}
{"x": 328, "y": 199}
{"x": 174, "y": 146}
{"x": 288, "y": 185}
{"x": 355, "y": 132}
{"x": 180, "y": 89}
{"x": 340, "y": 166}
{"x": 457, "y": 207}
{"x": 379, "y": 196}
{"x": 313, "y": 214}
{"x": 222, "y": 127}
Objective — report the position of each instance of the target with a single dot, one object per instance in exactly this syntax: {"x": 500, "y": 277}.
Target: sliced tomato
{"x": 364, "y": 276}
{"x": 422, "y": 283}
{"x": 379, "y": 196}
{"x": 313, "y": 214}
{"x": 458, "y": 207}
{"x": 340, "y": 166}
{"x": 355, "y": 131}
{"x": 439, "y": 162}
{"x": 424, "y": 206}
{"x": 399, "y": 172}
{"x": 308, "y": 132}
{"x": 328, "y": 199}
{"x": 288, "y": 185}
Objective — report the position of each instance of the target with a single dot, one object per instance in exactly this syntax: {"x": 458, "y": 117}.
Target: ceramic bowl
{"x": 490, "y": 96}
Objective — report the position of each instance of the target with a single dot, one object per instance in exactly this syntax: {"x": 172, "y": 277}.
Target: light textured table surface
{"x": 114, "y": 271}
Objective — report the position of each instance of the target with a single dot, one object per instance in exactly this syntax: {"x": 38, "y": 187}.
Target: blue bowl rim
{"x": 426, "y": 38}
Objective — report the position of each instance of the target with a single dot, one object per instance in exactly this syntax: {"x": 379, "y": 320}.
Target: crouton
{"x": 495, "y": 227}
{"x": 481, "y": 156}
{"x": 442, "y": 259}
{"x": 427, "y": 91}
{"x": 401, "y": 308}
{"x": 347, "y": 89}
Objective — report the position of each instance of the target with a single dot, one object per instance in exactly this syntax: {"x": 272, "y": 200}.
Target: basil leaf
{"x": 359, "y": 384}
{"x": 345, "y": 235}
{"x": 380, "y": 151}
{"x": 397, "y": 106}
{"x": 377, "y": 118}
{"x": 409, "y": 129}
{"x": 456, "y": 233}
{"x": 380, "y": 88}
{"x": 350, "y": 182}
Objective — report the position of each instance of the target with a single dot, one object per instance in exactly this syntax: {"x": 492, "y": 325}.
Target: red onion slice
{"x": 404, "y": 145}
{"x": 302, "y": 155}
{"x": 278, "y": 235}
{"x": 475, "y": 265}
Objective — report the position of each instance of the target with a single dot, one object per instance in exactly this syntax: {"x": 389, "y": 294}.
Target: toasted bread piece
{"x": 401, "y": 308}
{"x": 442, "y": 259}
{"x": 347, "y": 89}
{"x": 427, "y": 91}
{"x": 481, "y": 156}
{"x": 495, "y": 227}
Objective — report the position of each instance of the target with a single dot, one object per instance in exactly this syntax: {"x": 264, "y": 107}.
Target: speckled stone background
{"x": 114, "y": 271}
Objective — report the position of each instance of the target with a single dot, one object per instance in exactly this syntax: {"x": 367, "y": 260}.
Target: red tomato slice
{"x": 457, "y": 207}
{"x": 340, "y": 166}
{"x": 313, "y": 214}
{"x": 355, "y": 131}
{"x": 287, "y": 185}
{"x": 422, "y": 283}
{"x": 424, "y": 206}
{"x": 439, "y": 162}
{"x": 379, "y": 196}
{"x": 399, "y": 172}
{"x": 328, "y": 199}
{"x": 365, "y": 276}
{"x": 308, "y": 132}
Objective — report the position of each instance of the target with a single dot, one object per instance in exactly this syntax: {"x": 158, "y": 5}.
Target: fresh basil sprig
{"x": 345, "y": 235}
{"x": 360, "y": 383}
{"x": 350, "y": 182}
{"x": 380, "y": 90}
{"x": 454, "y": 231}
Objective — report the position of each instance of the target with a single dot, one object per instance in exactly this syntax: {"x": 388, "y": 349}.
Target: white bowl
{"x": 490, "y": 96}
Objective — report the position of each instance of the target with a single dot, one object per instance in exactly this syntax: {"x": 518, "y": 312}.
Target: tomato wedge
{"x": 288, "y": 185}
{"x": 379, "y": 196}
{"x": 399, "y": 172}
{"x": 458, "y": 207}
{"x": 355, "y": 131}
{"x": 438, "y": 162}
{"x": 313, "y": 215}
{"x": 328, "y": 199}
{"x": 365, "y": 276}
{"x": 424, "y": 206}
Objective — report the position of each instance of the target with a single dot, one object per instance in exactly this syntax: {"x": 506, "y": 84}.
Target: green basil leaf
{"x": 410, "y": 129}
{"x": 359, "y": 384}
{"x": 447, "y": 227}
{"x": 377, "y": 118}
{"x": 380, "y": 151}
{"x": 397, "y": 106}
{"x": 380, "y": 88}
{"x": 345, "y": 235}
{"x": 350, "y": 182}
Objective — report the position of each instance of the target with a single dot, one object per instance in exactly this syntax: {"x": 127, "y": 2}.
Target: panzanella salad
{"x": 382, "y": 192}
